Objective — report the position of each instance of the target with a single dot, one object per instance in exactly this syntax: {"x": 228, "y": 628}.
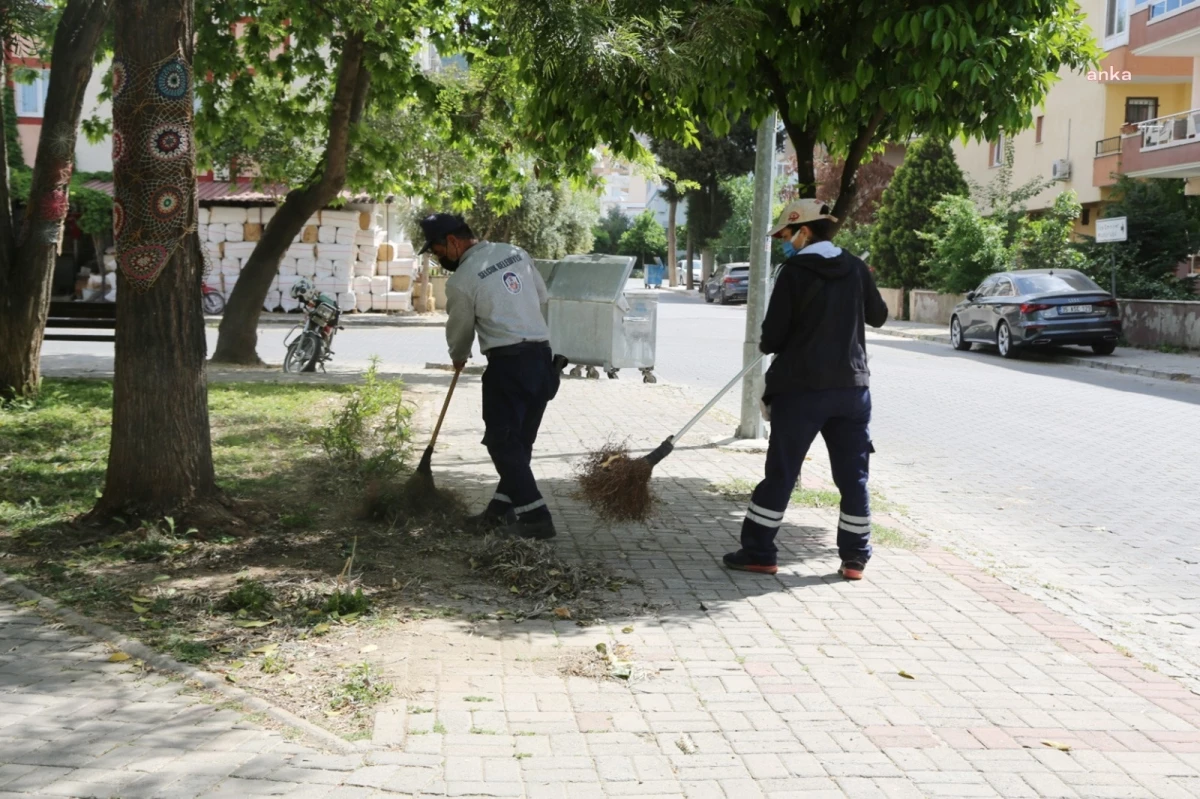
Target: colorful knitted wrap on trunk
{"x": 154, "y": 164}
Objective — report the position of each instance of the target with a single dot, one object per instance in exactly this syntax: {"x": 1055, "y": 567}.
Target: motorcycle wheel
{"x": 214, "y": 303}
{"x": 302, "y": 354}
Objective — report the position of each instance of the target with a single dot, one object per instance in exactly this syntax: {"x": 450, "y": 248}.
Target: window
{"x": 1038, "y": 131}
{"x": 1059, "y": 281}
{"x": 1004, "y": 288}
{"x": 1140, "y": 109}
{"x": 1116, "y": 17}
{"x": 986, "y": 288}
{"x": 1086, "y": 217}
{"x": 996, "y": 157}
{"x": 31, "y": 97}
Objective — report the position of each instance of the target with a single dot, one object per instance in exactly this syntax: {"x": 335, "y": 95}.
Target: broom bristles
{"x": 616, "y": 486}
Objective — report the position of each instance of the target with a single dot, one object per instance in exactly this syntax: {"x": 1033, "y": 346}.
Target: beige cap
{"x": 800, "y": 212}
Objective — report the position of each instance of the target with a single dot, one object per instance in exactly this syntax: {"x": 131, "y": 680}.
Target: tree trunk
{"x": 160, "y": 459}
{"x": 690, "y": 254}
{"x": 237, "y": 340}
{"x": 707, "y": 260}
{"x": 672, "y": 246}
{"x": 27, "y": 272}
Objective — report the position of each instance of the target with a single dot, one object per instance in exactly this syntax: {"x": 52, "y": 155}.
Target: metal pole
{"x": 1112, "y": 250}
{"x": 760, "y": 266}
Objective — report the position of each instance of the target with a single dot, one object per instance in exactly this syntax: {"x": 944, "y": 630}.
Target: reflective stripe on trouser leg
{"x": 849, "y": 459}
{"x": 795, "y": 425}
{"x": 500, "y": 505}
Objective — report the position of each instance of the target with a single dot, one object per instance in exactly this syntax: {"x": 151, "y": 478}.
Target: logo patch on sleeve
{"x": 512, "y": 282}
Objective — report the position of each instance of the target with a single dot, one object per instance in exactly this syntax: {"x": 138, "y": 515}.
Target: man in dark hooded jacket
{"x": 817, "y": 383}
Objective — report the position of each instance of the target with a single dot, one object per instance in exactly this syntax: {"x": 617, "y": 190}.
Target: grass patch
{"x": 345, "y": 603}
{"x": 476, "y": 699}
{"x": 361, "y": 689}
{"x": 439, "y": 728}
{"x": 816, "y": 498}
{"x": 250, "y": 596}
{"x": 891, "y": 537}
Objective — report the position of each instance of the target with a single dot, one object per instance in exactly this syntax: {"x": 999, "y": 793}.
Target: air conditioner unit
{"x": 1061, "y": 170}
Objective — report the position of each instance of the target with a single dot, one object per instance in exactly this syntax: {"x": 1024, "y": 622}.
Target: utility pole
{"x": 760, "y": 268}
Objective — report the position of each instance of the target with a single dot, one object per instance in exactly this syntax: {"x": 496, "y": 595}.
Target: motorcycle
{"x": 213, "y": 301}
{"x": 314, "y": 344}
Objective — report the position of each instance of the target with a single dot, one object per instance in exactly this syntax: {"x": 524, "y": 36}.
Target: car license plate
{"x": 1071, "y": 309}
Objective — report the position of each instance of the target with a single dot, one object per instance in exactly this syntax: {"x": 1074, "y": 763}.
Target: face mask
{"x": 448, "y": 264}
{"x": 788, "y": 249}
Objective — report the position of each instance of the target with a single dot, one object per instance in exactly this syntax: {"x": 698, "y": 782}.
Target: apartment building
{"x": 1131, "y": 116}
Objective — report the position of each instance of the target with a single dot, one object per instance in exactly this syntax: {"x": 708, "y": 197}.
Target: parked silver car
{"x": 729, "y": 283}
{"x": 1037, "y": 308}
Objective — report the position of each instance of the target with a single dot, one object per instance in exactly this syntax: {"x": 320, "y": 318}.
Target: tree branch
{"x": 848, "y": 188}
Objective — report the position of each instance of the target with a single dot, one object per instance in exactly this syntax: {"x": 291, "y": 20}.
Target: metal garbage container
{"x": 654, "y": 275}
{"x": 595, "y": 323}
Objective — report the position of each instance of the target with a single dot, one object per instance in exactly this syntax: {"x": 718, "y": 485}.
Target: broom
{"x": 617, "y": 486}
{"x": 424, "y": 473}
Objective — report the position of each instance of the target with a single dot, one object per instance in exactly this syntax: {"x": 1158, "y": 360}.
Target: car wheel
{"x": 707, "y": 296}
{"x": 1004, "y": 341}
{"x": 724, "y": 297}
{"x": 1104, "y": 347}
{"x": 956, "y": 336}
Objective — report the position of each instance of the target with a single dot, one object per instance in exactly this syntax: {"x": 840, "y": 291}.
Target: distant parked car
{"x": 1037, "y": 308}
{"x": 730, "y": 283}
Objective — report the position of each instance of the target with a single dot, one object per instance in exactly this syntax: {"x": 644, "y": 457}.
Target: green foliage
{"x": 344, "y": 603}
{"x": 734, "y": 242}
{"x": 965, "y": 247}
{"x": 551, "y": 220}
{"x": 1045, "y": 242}
{"x": 840, "y": 74}
{"x": 1001, "y": 202}
{"x": 898, "y": 252}
{"x": 250, "y": 596}
{"x": 705, "y": 167}
{"x": 855, "y": 238}
{"x": 370, "y": 431}
{"x": 94, "y": 207}
{"x": 646, "y": 239}
{"x": 1164, "y": 228}
{"x": 12, "y": 141}
{"x": 608, "y": 231}
{"x": 362, "y": 688}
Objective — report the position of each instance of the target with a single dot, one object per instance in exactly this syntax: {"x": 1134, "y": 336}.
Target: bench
{"x": 75, "y": 315}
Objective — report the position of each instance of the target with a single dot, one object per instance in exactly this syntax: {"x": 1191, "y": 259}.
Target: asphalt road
{"x": 1075, "y": 484}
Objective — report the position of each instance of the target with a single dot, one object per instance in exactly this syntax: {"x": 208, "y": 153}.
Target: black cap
{"x": 437, "y": 226}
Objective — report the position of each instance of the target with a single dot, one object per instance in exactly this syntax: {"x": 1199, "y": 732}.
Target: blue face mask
{"x": 788, "y": 249}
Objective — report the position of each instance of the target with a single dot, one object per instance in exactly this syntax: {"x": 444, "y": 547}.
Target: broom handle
{"x": 715, "y": 399}
{"x": 445, "y": 407}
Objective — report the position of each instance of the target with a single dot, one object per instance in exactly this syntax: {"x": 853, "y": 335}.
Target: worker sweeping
{"x": 495, "y": 290}
{"x": 818, "y": 382}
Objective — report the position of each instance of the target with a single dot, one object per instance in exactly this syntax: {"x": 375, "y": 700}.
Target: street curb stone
{"x": 1140, "y": 371}
{"x": 350, "y": 320}
{"x": 161, "y": 662}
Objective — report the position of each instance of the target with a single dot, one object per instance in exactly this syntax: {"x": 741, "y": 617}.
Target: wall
{"x": 88, "y": 157}
{"x": 931, "y": 308}
{"x": 895, "y": 302}
{"x": 1151, "y": 323}
{"x": 1074, "y": 122}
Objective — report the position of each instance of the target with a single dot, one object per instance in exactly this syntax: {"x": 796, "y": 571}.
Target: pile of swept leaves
{"x": 533, "y": 570}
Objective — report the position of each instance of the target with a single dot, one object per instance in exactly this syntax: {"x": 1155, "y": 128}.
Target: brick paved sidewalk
{"x": 745, "y": 686}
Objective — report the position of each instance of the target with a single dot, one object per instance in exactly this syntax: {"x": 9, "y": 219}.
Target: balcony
{"x": 1165, "y": 28}
{"x": 1167, "y": 147}
{"x": 1107, "y": 164}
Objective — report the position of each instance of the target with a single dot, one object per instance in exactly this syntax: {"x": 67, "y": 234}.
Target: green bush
{"x": 370, "y": 432}
{"x": 898, "y": 253}
{"x": 646, "y": 239}
{"x": 1045, "y": 242}
{"x": 965, "y": 247}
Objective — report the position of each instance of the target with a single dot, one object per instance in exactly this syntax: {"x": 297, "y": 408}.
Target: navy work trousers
{"x": 842, "y": 416}
{"x": 517, "y": 385}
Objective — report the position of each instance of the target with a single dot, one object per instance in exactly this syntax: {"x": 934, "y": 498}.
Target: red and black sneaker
{"x": 740, "y": 561}
{"x": 852, "y": 570}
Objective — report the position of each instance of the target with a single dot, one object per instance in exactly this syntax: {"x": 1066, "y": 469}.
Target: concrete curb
{"x": 349, "y": 320}
{"x": 1139, "y": 371}
{"x": 161, "y": 662}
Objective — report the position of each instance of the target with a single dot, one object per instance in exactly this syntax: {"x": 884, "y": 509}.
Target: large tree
{"x": 160, "y": 459}
{"x": 705, "y": 166}
{"x": 28, "y": 253}
{"x": 846, "y": 75}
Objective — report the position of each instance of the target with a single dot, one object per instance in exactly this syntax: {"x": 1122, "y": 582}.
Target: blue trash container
{"x": 654, "y": 275}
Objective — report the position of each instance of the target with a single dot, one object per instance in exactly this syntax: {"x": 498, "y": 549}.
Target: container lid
{"x": 591, "y": 278}
{"x": 546, "y": 268}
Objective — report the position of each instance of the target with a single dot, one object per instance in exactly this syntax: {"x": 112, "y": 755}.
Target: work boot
{"x": 852, "y": 570}
{"x": 540, "y": 529}
{"x": 740, "y": 561}
{"x": 487, "y": 522}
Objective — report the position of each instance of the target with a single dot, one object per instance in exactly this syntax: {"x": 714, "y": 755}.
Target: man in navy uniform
{"x": 495, "y": 290}
{"x": 818, "y": 383}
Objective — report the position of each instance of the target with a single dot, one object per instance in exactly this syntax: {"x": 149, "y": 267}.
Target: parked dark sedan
{"x": 1037, "y": 308}
{"x": 731, "y": 282}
